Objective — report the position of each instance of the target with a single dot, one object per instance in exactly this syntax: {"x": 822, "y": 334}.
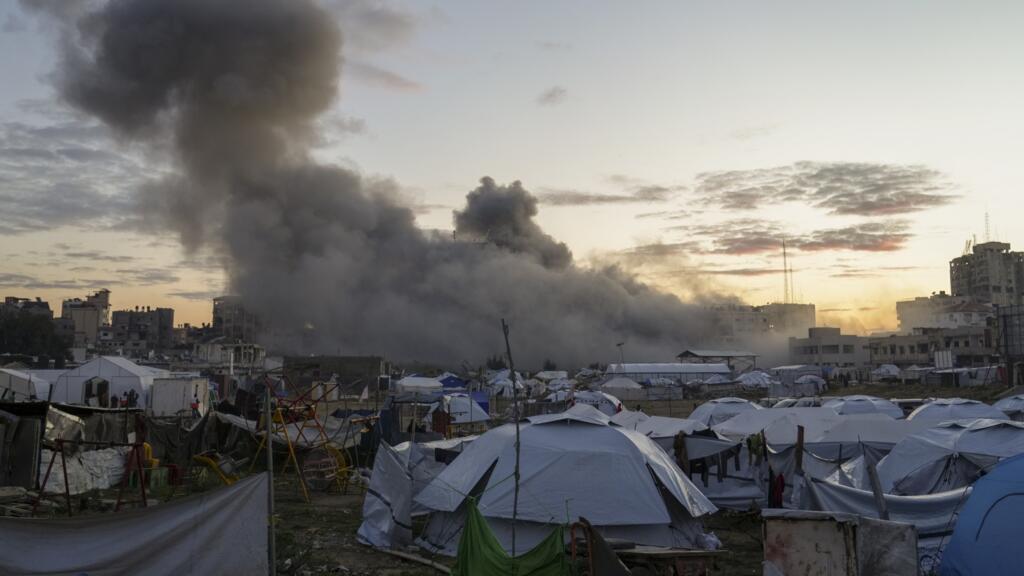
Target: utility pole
{"x": 268, "y": 414}
{"x": 515, "y": 416}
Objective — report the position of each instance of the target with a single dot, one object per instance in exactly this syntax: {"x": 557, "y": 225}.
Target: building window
{"x": 847, "y": 348}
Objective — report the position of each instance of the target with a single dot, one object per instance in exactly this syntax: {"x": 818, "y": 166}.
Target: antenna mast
{"x": 515, "y": 417}
{"x": 785, "y": 275}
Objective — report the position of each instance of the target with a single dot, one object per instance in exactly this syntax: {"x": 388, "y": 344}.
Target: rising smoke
{"x": 332, "y": 260}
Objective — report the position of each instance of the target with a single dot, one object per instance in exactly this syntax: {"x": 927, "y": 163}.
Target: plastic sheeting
{"x": 481, "y": 553}
{"x": 942, "y": 409}
{"x": 861, "y": 404}
{"x": 220, "y": 532}
{"x": 87, "y": 470}
{"x": 387, "y": 517}
{"x": 934, "y": 515}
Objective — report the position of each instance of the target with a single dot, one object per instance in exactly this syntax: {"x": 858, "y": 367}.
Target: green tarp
{"x": 481, "y": 554}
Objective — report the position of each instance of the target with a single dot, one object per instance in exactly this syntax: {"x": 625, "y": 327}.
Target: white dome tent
{"x": 942, "y": 409}
{"x": 886, "y": 372}
{"x": 756, "y": 380}
{"x": 460, "y": 407}
{"x": 1012, "y": 406}
{"x": 721, "y": 409}
{"x": 602, "y": 401}
{"x": 572, "y": 465}
{"x": 862, "y": 404}
{"x": 948, "y": 456}
{"x": 619, "y": 383}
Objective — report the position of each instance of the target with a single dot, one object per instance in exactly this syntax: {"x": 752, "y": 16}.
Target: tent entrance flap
{"x": 481, "y": 553}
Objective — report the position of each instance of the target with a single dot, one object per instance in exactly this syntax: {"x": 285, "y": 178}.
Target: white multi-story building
{"x": 942, "y": 310}
{"x": 830, "y": 348}
{"x": 990, "y": 274}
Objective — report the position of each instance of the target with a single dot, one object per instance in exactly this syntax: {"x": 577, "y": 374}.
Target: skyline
{"x": 719, "y": 137}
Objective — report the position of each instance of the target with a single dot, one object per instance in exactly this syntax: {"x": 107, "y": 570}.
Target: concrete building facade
{"x": 830, "y": 348}
{"x": 741, "y": 323}
{"x": 233, "y": 321}
{"x": 969, "y": 346}
{"x": 990, "y": 274}
{"x": 942, "y": 310}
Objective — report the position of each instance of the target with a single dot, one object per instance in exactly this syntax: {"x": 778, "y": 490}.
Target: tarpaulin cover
{"x": 387, "y": 520}
{"x": 933, "y": 515}
{"x": 221, "y": 532}
{"x": 987, "y": 535}
{"x": 481, "y": 553}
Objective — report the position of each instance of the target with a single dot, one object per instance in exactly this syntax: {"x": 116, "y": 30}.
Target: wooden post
{"x": 271, "y": 544}
{"x": 876, "y": 489}
{"x": 799, "y": 449}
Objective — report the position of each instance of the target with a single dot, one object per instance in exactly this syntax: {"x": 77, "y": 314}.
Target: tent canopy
{"x": 861, "y": 404}
{"x": 620, "y": 383}
{"x": 601, "y": 400}
{"x": 568, "y": 468}
{"x": 721, "y": 409}
{"x": 942, "y": 409}
{"x": 984, "y": 540}
{"x": 411, "y": 384}
{"x": 19, "y": 386}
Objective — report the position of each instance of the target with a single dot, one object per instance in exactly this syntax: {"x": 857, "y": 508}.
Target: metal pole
{"x": 271, "y": 552}
{"x": 515, "y": 415}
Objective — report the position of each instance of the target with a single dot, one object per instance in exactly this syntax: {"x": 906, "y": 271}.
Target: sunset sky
{"x": 683, "y": 141}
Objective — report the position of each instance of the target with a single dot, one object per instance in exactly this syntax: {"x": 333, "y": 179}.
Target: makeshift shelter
{"x": 756, "y": 380}
{"x": 861, "y": 404}
{"x": 107, "y": 380}
{"x": 797, "y": 387}
{"x": 560, "y": 384}
{"x": 449, "y": 380}
{"x": 574, "y": 464}
{"x": 629, "y": 418}
{"x": 602, "y": 401}
{"x": 985, "y": 539}
{"x": 788, "y": 374}
{"x": 619, "y": 383}
{"x": 460, "y": 409}
{"x": 418, "y": 385}
{"x": 663, "y": 430}
{"x": 942, "y": 409}
{"x": 18, "y": 386}
{"x": 1012, "y": 406}
{"x": 387, "y": 508}
{"x": 948, "y": 456}
{"x": 886, "y": 372}
{"x": 549, "y": 375}
{"x": 721, "y": 409}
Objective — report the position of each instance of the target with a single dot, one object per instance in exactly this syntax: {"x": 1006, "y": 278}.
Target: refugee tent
{"x": 629, "y": 418}
{"x": 788, "y": 374}
{"x": 460, "y": 408}
{"x": 663, "y": 429}
{"x": 574, "y": 464}
{"x": 426, "y": 460}
{"x": 18, "y": 386}
{"x": 561, "y": 384}
{"x": 603, "y": 401}
{"x": 549, "y": 375}
{"x": 985, "y": 539}
{"x": 559, "y": 396}
{"x": 861, "y": 404}
{"x": 417, "y": 385}
{"x": 619, "y": 383}
{"x": 1012, "y": 406}
{"x": 886, "y": 372}
{"x": 719, "y": 410}
{"x": 805, "y": 385}
{"x": 387, "y": 508}
{"x": 949, "y": 455}
{"x": 449, "y": 380}
{"x": 534, "y": 387}
{"x": 755, "y": 380}
{"x": 942, "y": 409}
{"x": 104, "y": 381}
{"x": 933, "y": 515}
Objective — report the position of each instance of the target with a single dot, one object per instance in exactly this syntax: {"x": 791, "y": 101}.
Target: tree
{"x": 496, "y": 362}
{"x": 32, "y": 335}
{"x": 549, "y": 365}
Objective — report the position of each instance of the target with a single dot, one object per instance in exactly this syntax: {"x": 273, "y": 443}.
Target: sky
{"x": 683, "y": 141}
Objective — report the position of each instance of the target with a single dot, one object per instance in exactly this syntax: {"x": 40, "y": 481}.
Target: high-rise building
{"x": 87, "y": 316}
{"x": 989, "y": 274}
{"x": 26, "y": 305}
{"x": 233, "y": 321}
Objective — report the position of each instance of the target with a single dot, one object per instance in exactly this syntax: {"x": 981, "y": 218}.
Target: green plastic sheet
{"x": 480, "y": 553}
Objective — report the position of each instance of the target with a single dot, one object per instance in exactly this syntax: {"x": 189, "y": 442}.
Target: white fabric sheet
{"x": 221, "y": 532}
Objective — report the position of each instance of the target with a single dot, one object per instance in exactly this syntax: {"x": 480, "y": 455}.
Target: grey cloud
{"x": 552, "y": 96}
{"x": 146, "y": 276}
{"x": 841, "y": 188}
{"x": 12, "y": 24}
{"x": 376, "y": 76}
{"x": 635, "y": 193}
{"x": 197, "y": 295}
{"x": 97, "y": 256}
{"x": 373, "y": 26}
{"x": 554, "y": 46}
{"x": 742, "y": 237}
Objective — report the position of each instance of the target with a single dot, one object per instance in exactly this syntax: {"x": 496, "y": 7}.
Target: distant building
{"x": 36, "y": 306}
{"x": 942, "y": 310}
{"x": 143, "y": 328}
{"x": 738, "y": 361}
{"x": 741, "y": 322}
{"x": 87, "y": 316}
{"x": 236, "y": 355}
{"x": 353, "y": 372}
{"x": 233, "y": 321}
{"x": 829, "y": 348}
{"x": 968, "y": 345}
{"x": 990, "y": 274}
{"x": 1011, "y": 342}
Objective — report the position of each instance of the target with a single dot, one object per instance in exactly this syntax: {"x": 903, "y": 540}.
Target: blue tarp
{"x": 453, "y": 381}
{"x": 986, "y": 539}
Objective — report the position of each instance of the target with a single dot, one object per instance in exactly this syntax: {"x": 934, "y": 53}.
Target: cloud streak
{"x": 839, "y": 188}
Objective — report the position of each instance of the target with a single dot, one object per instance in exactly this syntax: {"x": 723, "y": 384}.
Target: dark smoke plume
{"x": 331, "y": 259}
